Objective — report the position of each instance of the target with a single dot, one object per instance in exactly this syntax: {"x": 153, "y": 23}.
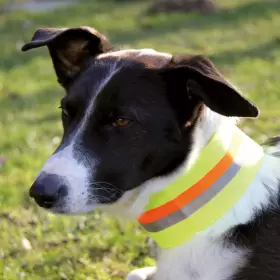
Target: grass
{"x": 242, "y": 39}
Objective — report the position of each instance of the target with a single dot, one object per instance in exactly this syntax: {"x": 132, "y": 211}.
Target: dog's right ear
{"x": 70, "y": 49}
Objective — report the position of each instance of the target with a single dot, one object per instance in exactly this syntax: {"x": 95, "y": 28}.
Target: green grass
{"x": 242, "y": 39}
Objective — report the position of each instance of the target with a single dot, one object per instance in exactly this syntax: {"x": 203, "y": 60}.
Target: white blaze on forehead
{"x": 76, "y": 172}
{"x": 113, "y": 69}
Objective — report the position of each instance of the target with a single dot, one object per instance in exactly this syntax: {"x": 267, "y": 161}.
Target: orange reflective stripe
{"x": 191, "y": 193}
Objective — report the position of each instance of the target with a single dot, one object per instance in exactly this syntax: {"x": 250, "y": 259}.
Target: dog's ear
{"x": 195, "y": 79}
{"x": 70, "y": 49}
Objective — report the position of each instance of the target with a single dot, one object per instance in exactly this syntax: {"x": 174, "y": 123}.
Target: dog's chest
{"x": 202, "y": 260}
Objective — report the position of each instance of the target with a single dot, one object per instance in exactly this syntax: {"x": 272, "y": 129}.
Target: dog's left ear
{"x": 70, "y": 49}
{"x": 196, "y": 78}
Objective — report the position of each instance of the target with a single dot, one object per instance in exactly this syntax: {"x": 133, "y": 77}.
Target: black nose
{"x": 48, "y": 189}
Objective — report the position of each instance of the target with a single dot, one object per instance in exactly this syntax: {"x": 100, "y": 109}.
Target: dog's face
{"x": 128, "y": 117}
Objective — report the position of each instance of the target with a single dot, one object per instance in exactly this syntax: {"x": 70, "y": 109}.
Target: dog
{"x": 136, "y": 124}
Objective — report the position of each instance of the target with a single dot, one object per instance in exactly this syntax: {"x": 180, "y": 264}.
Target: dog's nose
{"x": 47, "y": 190}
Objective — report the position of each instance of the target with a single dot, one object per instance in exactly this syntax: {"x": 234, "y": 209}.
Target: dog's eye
{"x": 64, "y": 111}
{"x": 120, "y": 122}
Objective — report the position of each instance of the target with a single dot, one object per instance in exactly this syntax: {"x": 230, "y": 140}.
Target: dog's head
{"x": 129, "y": 116}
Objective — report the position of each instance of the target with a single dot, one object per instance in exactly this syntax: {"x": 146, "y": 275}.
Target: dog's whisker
{"x": 95, "y": 198}
{"x": 110, "y": 188}
{"x": 109, "y": 191}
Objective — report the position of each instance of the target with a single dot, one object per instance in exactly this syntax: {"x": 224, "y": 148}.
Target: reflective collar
{"x": 224, "y": 170}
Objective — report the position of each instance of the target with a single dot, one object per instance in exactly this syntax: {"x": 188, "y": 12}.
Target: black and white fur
{"x": 172, "y": 105}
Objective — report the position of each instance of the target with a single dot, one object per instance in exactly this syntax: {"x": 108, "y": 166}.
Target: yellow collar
{"x": 224, "y": 170}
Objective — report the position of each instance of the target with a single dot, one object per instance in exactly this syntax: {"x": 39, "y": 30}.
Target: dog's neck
{"x": 204, "y": 191}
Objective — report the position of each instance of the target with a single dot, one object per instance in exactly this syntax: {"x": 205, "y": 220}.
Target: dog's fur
{"x": 171, "y": 106}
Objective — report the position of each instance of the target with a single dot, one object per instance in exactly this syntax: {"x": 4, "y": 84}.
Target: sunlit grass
{"x": 243, "y": 41}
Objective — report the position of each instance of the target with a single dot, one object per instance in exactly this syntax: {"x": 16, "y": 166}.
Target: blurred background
{"x": 241, "y": 37}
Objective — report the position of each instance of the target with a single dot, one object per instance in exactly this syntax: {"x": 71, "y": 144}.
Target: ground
{"x": 242, "y": 39}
